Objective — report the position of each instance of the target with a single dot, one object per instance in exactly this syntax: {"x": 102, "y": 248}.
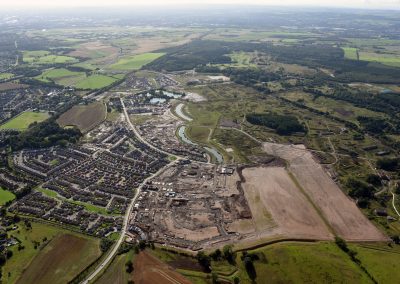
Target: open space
{"x": 84, "y": 117}
{"x": 22, "y": 121}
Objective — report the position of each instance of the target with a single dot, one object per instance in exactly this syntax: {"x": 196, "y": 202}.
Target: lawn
{"x": 21, "y": 259}
{"x": 350, "y": 53}
{"x": 22, "y": 121}
{"x": 6, "y": 196}
{"x": 135, "y": 62}
{"x": 95, "y": 82}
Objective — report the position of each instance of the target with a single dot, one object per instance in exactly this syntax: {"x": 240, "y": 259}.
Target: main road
{"x": 121, "y": 238}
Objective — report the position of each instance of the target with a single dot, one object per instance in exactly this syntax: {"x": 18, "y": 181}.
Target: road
{"x": 121, "y": 239}
{"x": 137, "y": 134}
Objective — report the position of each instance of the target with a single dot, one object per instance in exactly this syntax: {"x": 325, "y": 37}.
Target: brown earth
{"x": 11, "y": 86}
{"x": 150, "y": 270}
{"x": 273, "y": 195}
{"x": 338, "y": 209}
{"x": 61, "y": 260}
{"x": 85, "y": 117}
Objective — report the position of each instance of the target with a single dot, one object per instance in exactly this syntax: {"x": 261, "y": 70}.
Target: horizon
{"x": 357, "y": 4}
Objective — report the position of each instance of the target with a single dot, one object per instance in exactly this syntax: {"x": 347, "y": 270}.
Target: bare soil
{"x": 274, "y": 197}
{"x": 338, "y": 209}
{"x": 150, "y": 270}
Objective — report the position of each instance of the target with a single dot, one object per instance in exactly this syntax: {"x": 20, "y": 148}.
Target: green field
{"x": 386, "y": 59}
{"x": 116, "y": 272}
{"x": 45, "y": 57}
{"x": 95, "y": 82}
{"x": 135, "y": 62}
{"x": 48, "y": 192}
{"x": 22, "y": 259}
{"x": 64, "y": 257}
{"x": 22, "y": 121}
{"x": 382, "y": 261}
{"x": 5, "y": 76}
{"x": 6, "y": 196}
{"x": 350, "y": 52}
{"x": 60, "y": 76}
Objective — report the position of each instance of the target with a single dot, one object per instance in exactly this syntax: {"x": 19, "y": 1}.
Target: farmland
{"x": 135, "y": 62}
{"x": 42, "y": 57}
{"x": 61, "y": 259}
{"x": 95, "y": 82}
{"x": 22, "y": 121}
{"x": 36, "y": 238}
{"x": 84, "y": 117}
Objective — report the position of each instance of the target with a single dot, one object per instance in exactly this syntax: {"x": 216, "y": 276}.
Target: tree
{"x": 105, "y": 244}
{"x": 129, "y": 266}
{"x": 204, "y": 260}
{"x": 216, "y": 255}
{"x": 236, "y": 280}
{"x": 250, "y": 269}
{"x": 229, "y": 254}
{"x": 214, "y": 277}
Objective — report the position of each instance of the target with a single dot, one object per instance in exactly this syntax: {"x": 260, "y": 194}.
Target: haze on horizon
{"x": 366, "y": 4}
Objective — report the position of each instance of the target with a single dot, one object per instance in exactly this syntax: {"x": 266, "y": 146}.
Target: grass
{"x": 45, "y": 57}
{"x": 304, "y": 263}
{"x": 116, "y": 272}
{"x": 382, "y": 261}
{"x": 64, "y": 257}
{"x": 5, "y": 76}
{"x": 48, "y": 192}
{"x": 135, "y": 62}
{"x": 94, "y": 82}
{"x": 22, "y": 121}
{"x": 58, "y": 75}
{"x": 6, "y": 196}
{"x": 21, "y": 259}
{"x": 350, "y": 52}
{"x": 386, "y": 59}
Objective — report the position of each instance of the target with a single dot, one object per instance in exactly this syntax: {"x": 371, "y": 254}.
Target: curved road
{"x": 120, "y": 240}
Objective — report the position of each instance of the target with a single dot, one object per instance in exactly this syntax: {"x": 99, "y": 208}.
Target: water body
{"x": 216, "y": 154}
{"x": 181, "y": 132}
{"x": 180, "y": 113}
{"x": 172, "y": 95}
{"x": 157, "y": 101}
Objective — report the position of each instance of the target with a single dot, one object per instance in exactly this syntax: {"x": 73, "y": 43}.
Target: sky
{"x": 379, "y": 4}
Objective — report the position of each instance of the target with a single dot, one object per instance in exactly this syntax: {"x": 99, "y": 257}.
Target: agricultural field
{"x": 135, "y": 62}
{"x": 34, "y": 239}
{"x": 6, "y": 196}
{"x": 381, "y": 260}
{"x": 116, "y": 272}
{"x": 61, "y": 259}
{"x": 350, "y": 53}
{"x": 22, "y": 121}
{"x": 61, "y": 76}
{"x": 96, "y": 81}
{"x": 85, "y": 117}
{"x": 6, "y": 76}
{"x": 42, "y": 57}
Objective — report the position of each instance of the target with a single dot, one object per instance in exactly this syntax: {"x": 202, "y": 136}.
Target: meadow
{"x": 22, "y": 121}
{"x": 135, "y": 62}
{"x": 42, "y": 57}
{"x": 33, "y": 240}
{"x": 6, "y": 196}
{"x": 95, "y": 81}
